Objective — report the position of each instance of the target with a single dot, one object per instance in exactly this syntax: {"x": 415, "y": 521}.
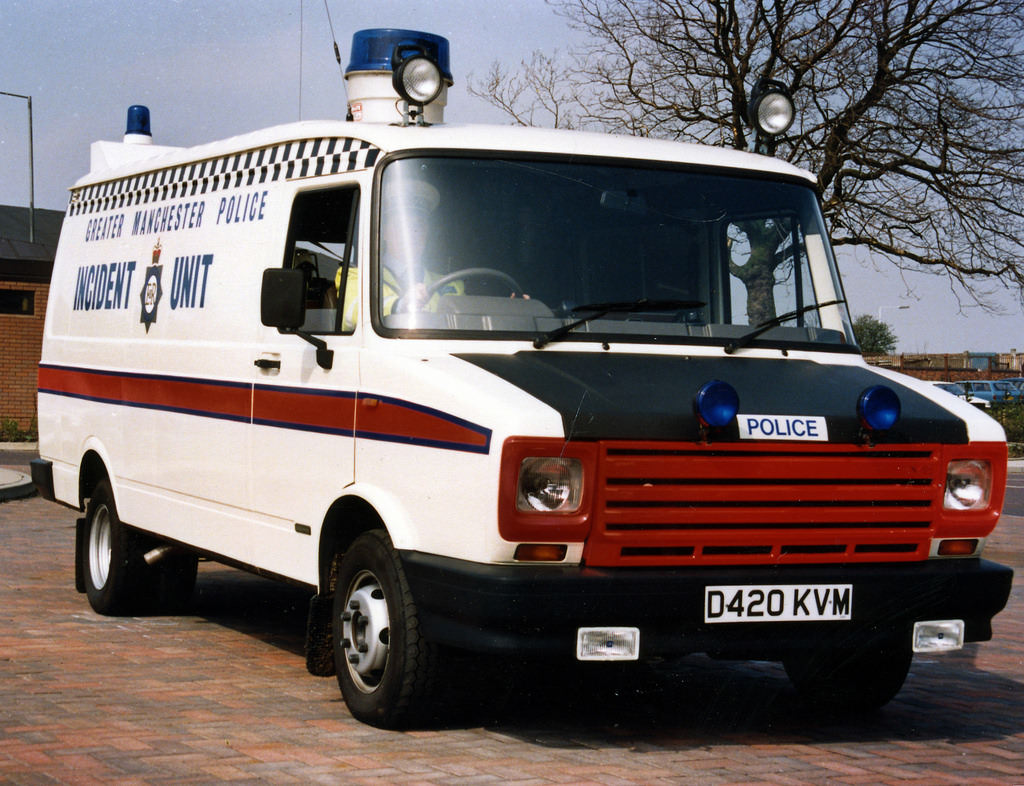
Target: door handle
{"x": 267, "y": 363}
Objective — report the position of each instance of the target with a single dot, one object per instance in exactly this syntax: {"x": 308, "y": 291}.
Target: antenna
{"x": 334, "y": 40}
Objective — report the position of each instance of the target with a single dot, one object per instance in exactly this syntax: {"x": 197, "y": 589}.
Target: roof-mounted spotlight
{"x": 416, "y": 76}
{"x": 771, "y": 110}
{"x": 878, "y": 408}
{"x": 394, "y": 69}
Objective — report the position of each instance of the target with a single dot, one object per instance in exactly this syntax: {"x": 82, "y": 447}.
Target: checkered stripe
{"x": 285, "y": 161}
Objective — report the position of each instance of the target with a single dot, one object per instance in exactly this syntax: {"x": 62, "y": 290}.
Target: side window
{"x": 321, "y": 243}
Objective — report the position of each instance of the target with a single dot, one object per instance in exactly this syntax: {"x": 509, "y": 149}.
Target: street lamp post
{"x": 891, "y": 308}
{"x": 31, "y": 170}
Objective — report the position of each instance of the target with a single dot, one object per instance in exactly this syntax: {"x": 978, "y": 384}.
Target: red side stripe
{"x": 388, "y": 418}
{"x": 319, "y": 412}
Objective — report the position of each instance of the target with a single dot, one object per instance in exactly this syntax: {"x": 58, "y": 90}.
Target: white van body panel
{"x": 465, "y": 414}
{"x": 179, "y": 446}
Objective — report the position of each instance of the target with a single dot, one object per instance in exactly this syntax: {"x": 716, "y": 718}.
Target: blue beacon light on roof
{"x": 138, "y": 121}
{"x": 372, "y": 50}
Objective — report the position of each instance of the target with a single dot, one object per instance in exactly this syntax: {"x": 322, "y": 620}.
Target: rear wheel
{"x": 117, "y": 578}
{"x": 856, "y": 679}
{"x": 111, "y": 559}
{"x": 388, "y": 673}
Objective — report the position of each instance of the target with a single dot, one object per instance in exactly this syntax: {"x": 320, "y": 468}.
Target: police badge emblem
{"x": 152, "y": 291}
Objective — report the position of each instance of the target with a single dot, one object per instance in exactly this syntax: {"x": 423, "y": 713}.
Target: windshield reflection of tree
{"x": 765, "y": 255}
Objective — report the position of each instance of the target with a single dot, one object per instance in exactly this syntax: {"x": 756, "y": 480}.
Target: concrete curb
{"x": 15, "y": 485}
{"x": 26, "y": 446}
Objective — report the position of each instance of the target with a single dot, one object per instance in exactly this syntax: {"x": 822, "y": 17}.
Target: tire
{"x": 388, "y": 673}
{"x": 851, "y": 679}
{"x": 112, "y": 566}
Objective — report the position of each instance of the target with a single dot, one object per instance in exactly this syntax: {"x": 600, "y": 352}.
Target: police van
{"x": 495, "y": 391}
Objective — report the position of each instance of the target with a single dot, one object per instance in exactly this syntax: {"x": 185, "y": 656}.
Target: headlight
{"x": 550, "y": 485}
{"x": 545, "y": 490}
{"x": 968, "y": 485}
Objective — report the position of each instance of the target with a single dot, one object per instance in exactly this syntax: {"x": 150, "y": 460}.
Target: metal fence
{"x": 962, "y": 365}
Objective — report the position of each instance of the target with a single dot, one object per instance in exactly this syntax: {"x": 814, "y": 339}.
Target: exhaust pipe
{"x": 153, "y": 556}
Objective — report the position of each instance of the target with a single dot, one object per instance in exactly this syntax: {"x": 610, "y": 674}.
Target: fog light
{"x": 959, "y": 547}
{"x": 608, "y": 644}
{"x": 938, "y": 635}
{"x": 541, "y": 552}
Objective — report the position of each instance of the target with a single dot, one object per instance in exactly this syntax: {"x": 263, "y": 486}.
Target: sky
{"x": 208, "y": 70}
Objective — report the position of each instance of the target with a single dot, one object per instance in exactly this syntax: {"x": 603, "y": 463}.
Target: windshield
{"x": 550, "y": 250}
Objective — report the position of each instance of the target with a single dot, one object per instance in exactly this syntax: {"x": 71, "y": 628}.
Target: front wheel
{"x": 387, "y": 671}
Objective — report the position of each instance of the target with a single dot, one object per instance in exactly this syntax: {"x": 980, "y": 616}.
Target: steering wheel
{"x": 459, "y": 275}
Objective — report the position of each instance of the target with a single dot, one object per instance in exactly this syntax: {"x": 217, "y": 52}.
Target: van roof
{"x": 115, "y": 160}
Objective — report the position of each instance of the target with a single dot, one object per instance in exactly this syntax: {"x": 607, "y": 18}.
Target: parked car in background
{"x": 994, "y": 392}
{"x": 1017, "y": 382}
{"x": 957, "y": 389}
{"x": 1010, "y": 391}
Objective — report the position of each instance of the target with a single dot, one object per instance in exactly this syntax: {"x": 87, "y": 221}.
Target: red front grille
{"x": 763, "y": 504}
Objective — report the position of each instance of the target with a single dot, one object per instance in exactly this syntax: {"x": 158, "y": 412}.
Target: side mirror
{"x": 283, "y": 305}
{"x": 283, "y": 298}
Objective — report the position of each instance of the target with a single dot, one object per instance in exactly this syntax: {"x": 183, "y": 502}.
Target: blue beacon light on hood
{"x": 716, "y": 403}
{"x": 878, "y": 408}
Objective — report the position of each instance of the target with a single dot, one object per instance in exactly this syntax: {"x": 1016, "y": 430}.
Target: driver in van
{"x": 320, "y": 292}
{"x": 405, "y": 278}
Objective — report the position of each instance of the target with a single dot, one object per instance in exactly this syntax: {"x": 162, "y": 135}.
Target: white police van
{"x": 501, "y": 391}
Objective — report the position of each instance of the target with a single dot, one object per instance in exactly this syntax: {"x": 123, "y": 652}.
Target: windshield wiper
{"x": 746, "y": 338}
{"x": 624, "y": 307}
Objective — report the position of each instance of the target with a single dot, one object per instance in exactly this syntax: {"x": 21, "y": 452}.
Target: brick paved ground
{"x": 223, "y": 695}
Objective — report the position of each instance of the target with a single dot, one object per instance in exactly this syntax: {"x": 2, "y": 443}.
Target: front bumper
{"x": 536, "y": 610}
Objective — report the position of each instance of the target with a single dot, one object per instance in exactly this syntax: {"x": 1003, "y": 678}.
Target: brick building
{"x": 25, "y": 270}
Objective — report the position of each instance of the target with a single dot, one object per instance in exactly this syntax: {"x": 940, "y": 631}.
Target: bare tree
{"x": 909, "y": 111}
{"x": 542, "y": 93}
